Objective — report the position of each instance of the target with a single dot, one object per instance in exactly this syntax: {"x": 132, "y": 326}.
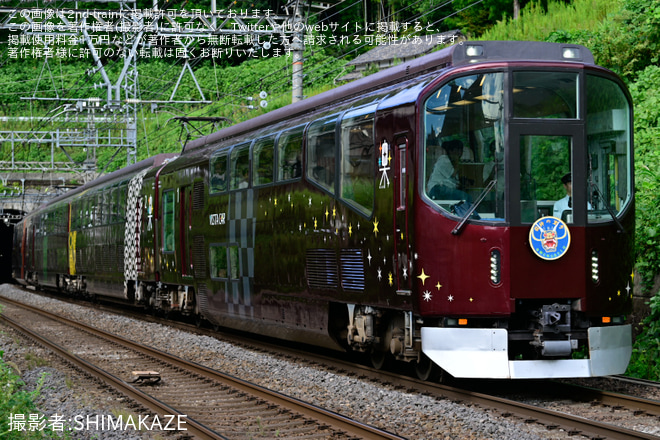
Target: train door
{"x": 546, "y": 156}
{"x": 400, "y": 197}
{"x": 185, "y": 226}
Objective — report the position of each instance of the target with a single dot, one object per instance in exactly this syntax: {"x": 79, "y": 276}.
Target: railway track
{"x": 551, "y": 418}
{"x": 204, "y": 402}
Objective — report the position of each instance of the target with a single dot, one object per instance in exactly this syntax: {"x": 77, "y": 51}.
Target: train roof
{"x": 460, "y": 54}
{"x": 125, "y": 172}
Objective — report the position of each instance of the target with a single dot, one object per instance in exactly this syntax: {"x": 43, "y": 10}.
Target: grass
{"x": 535, "y": 24}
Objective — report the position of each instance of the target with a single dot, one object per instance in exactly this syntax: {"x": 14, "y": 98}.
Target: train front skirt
{"x": 483, "y": 353}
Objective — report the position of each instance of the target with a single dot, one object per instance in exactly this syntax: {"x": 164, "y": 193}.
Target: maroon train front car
{"x": 472, "y": 209}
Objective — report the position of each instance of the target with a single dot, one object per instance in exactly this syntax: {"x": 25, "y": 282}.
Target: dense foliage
{"x": 645, "y": 362}
{"x": 15, "y": 401}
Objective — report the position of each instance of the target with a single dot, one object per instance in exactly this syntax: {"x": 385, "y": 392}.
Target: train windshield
{"x": 568, "y": 144}
{"x": 609, "y": 183}
{"x": 464, "y": 154}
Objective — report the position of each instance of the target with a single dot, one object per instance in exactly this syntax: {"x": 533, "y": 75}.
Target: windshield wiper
{"x": 459, "y": 227}
{"x": 609, "y": 209}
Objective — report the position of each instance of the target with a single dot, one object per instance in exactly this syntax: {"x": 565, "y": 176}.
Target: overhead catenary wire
{"x": 320, "y": 64}
{"x": 313, "y": 71}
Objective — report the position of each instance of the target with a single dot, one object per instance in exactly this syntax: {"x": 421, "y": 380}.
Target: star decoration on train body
{"x": 427, "y": 295}
{"x": 423, "y": 276}
{"x": 450, "y": 298}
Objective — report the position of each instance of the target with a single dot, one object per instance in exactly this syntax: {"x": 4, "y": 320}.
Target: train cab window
{"x": 545, "y": 95}
{"x": 239, "y": 167}
{"x": 464, "y": 146}
{"x": 608, "y": 139}
{"x": 218, "y": 173}
{"x": 357, "y": 159}
{"x": 546, "y": 177}
{"x": 168, "y": 221}
{"x": 289, "y": 154}
{"x": 263, "y": 160}
{"x": 321, "y": 152}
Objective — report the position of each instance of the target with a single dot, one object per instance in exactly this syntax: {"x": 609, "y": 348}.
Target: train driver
{"x": 566, "y": 203}
{"x": 444, "y": 180}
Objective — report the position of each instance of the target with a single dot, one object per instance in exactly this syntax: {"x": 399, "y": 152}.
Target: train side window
{"x": 234, "y": 263}
{"x": 239, "y": 166}
{"x": 87, "y": 216}
{"x": 357, "y": 159}
{"x": 263, "y": 160}
{"x": 113, "y": 206}
{"x": 121, "y": 201}
{"x": 610, "y": 182}
{"x": 289, "y": 154}
{"x": 107, "y": 206}
{"x": 218, "y": 261}
{"x": 218, "y": 173}
{"x": 97, "y": 209}
{"x": 168, "y": 221}
{"x": 75, "y": 215}
{"x": 321, "y": 152}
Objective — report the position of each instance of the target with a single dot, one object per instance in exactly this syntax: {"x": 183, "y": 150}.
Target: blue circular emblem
{"x": 549, "y": 238}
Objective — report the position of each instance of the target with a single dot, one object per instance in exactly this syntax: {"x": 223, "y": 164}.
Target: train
{"x": 469, "y": 213}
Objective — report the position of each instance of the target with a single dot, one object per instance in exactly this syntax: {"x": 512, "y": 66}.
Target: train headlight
{"x": 474, "y": 51}
{"x": 495, "y": 266}
{"x": 571, "y": 53}
{"x": 595, "y": 273}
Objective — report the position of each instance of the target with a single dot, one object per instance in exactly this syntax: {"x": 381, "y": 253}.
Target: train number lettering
{"x": 217, "y": 219}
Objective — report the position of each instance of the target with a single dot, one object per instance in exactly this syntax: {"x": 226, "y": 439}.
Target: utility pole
{"x": 297, "y": 50}
{"x": 107, "y": 118}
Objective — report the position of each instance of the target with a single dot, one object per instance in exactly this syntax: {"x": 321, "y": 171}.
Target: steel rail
{"x": 330, "y": 418}
{"x": 608, "y": 398}
{"x": 576, "y": 424}
{"x": 544, "y": 416}
{"x": 193, "y": 427}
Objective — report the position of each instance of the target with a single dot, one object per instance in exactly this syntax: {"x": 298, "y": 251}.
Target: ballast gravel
{"x": 406, "y": 414}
